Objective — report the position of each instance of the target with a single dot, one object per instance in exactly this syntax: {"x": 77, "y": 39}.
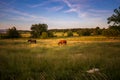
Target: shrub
{"x": 69, "y": 33}
{"x": 44, "y": 35}
{"x": 85, "y": 32}
{"x": 50, "y": 34}
{"x": 111, "y": 32}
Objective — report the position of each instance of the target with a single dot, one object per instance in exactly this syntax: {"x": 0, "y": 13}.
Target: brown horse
{"x": 62, "y": 42}
{"x": 32, "y": 41}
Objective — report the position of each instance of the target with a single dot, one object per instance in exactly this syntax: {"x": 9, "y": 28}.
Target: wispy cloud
{"x": 22, "y": 15}
{"x": 55, "y": 8}
{"x": 70, "y": 10}
{"x": 39, "y": 4}
{"x": 44, "y": 3}
{"x": 83, "y": 10}
{"x": 12, "y": 16}
{"x": 18, "y": 18}
{"x": 72, "y": 7}
{"x": 55, "y": 12}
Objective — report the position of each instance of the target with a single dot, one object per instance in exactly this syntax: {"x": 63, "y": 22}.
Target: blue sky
{"x": 57, "y": 14}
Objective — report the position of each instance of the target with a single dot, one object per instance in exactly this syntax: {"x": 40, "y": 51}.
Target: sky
{"x": 57, "y": 14}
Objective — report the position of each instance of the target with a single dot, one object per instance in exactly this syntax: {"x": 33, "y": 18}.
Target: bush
{"x": 84, "y": 32}
{"x": 44, "y": 35}
{"x": 50, "y": 34}
{"x": 3, "y": 36}
{"x": 111, "y": 33}
{"x": 69, "y": 33}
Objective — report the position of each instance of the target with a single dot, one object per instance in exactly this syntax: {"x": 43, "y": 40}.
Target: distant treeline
{"x": 111, "y": 31}
{"x": 70, "y": 29}
{"x": 24, "y": 31}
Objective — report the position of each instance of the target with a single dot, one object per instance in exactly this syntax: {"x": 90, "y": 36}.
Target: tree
{"x": 97, "y": 31}
{"x": 114, "y": 30}
{"x": 115, "y": 18}
{"x": 37, "y": 30}
{"x": 12, "y": 33}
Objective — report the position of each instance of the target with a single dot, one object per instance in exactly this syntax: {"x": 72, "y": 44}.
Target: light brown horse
{"x": 62, "y": 42}
{"x": 32, "y": 41}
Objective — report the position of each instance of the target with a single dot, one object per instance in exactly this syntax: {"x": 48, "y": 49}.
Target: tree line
{"x": 41, "y": 30}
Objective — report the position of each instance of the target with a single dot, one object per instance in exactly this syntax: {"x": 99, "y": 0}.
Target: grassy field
{"x": 61, "y": 34}
{"x": 57, "y": 34}
{"x": 46, "y": 60}
{"x": 25, "y": 35}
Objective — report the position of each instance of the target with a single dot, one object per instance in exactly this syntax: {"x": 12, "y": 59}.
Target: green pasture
{"x": 45, "y": 60}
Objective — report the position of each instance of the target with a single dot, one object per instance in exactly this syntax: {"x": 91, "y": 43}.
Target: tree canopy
{"x": 115, "y": 18}
{"x": 37, "y": 29}
{"x": 13, "y": 33}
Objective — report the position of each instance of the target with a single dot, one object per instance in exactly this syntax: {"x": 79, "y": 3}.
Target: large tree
{"x": 13, "y": 33}
{"x": 115, "y": 18}
{"x": 114, "y": 30}
{"x": 37, "y": 29}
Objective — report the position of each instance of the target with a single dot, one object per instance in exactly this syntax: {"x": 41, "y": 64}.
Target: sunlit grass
{"x": 25, "y": 35}
{"x": 46, "y": 60}
{"x": 62, "y": 34}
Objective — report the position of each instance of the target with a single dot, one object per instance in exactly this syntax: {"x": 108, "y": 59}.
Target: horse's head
{"x": 32, "y": 41}
{"x": 29, "y": 40}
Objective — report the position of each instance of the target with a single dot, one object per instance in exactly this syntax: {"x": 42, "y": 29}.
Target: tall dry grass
{"x": 46, "y": 60}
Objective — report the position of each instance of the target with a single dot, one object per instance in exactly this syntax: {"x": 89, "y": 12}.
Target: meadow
{"x": 45, "y": 60}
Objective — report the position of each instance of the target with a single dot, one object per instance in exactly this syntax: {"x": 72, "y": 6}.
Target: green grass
{"x": 62, "y": 34}
{"x": 46, "y": 60}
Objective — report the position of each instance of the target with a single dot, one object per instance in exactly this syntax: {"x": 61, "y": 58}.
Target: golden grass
{"x": 61, "y": 34}
{"x": 54, "y": 42}
{"x": 78, "y": 55}
{"x": 25, "y": 35}
{"x": 70, "y": 41}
